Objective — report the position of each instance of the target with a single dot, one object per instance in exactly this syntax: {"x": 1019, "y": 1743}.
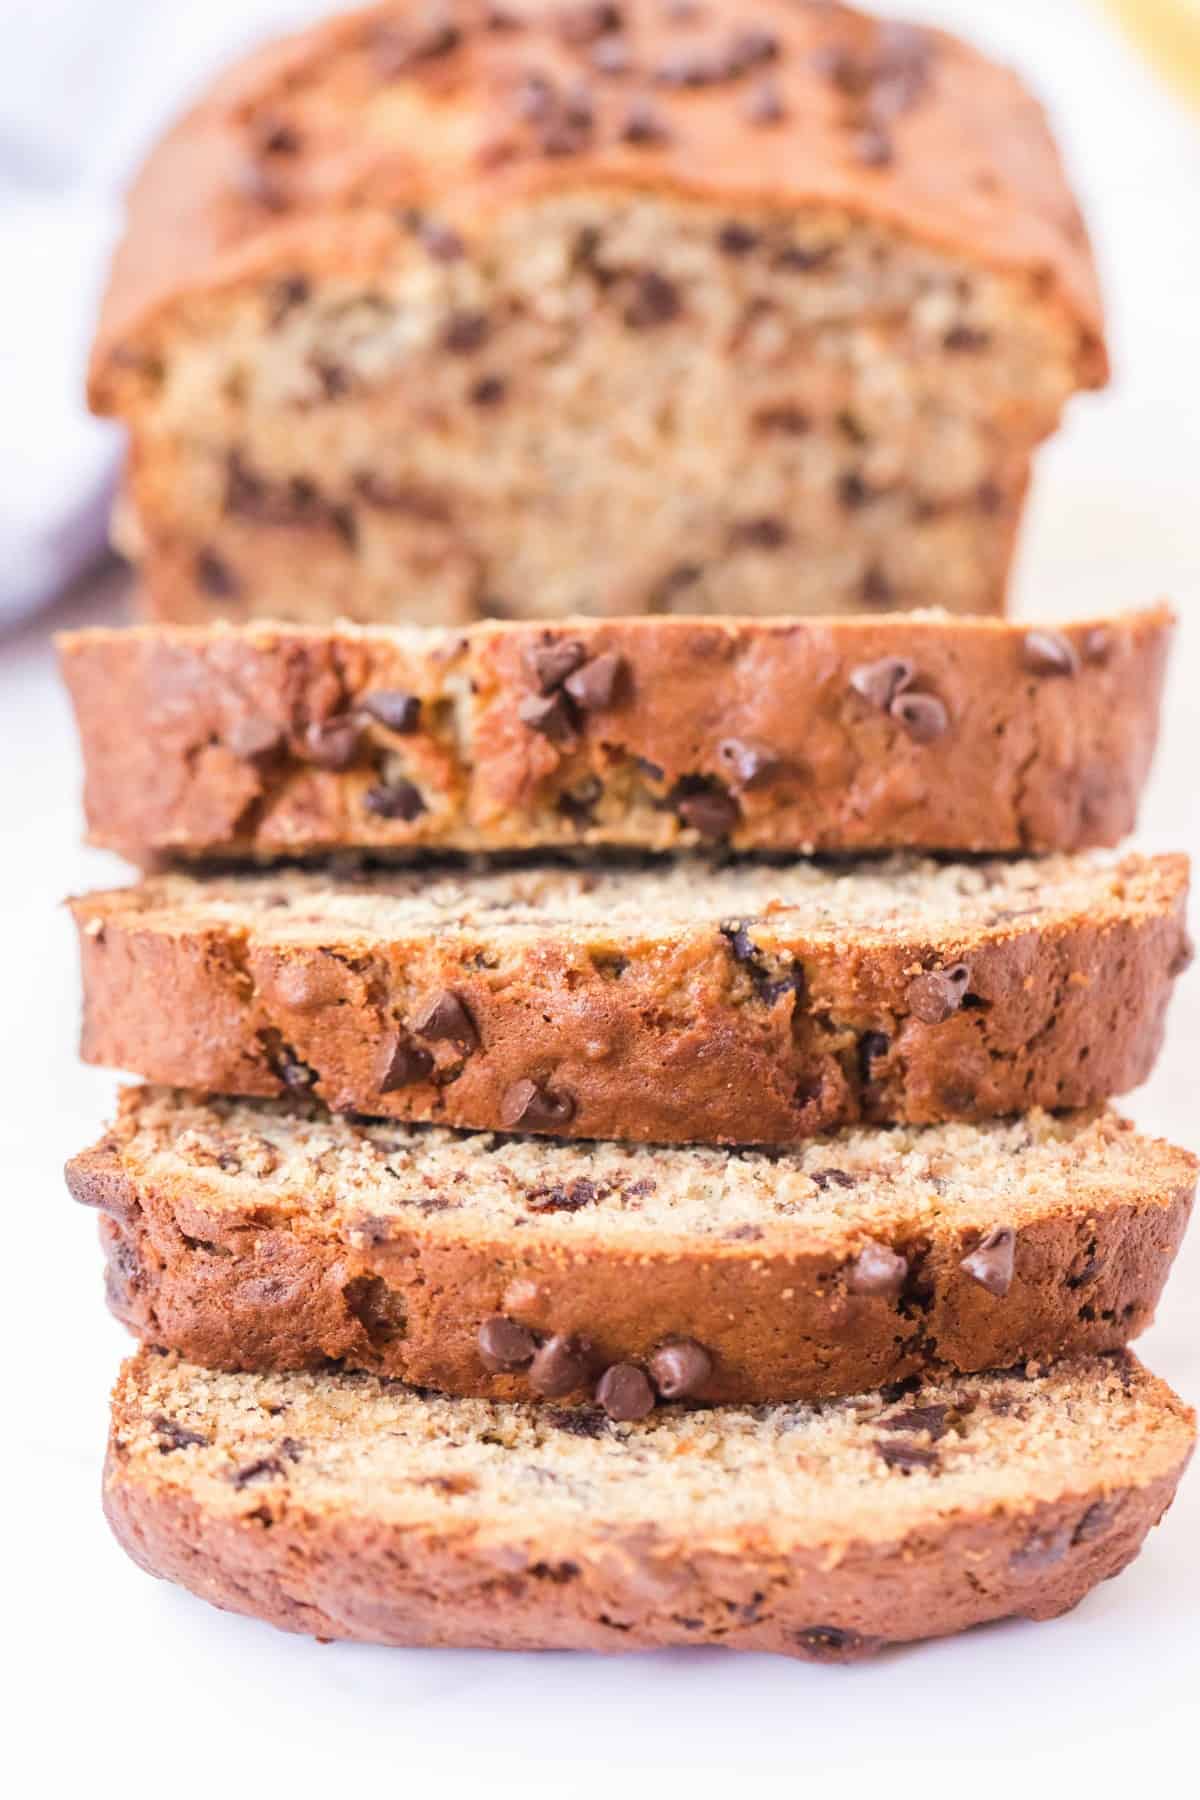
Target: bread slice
{"x": 343, "y": 1506}
{"x": 737, "y": 1003}
{"x": 758, "y": 309}
{"x": 273, "y": 1235}
{"x": 918, "y": 732}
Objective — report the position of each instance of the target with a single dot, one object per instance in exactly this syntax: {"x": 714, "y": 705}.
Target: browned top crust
{"x": 909, "y": 732}
{"x": 343, "y": 1506}
{"x": 684, "y": 1002}
{"x": 297, "y": 155}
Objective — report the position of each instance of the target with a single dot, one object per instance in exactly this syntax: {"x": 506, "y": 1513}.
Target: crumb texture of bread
{"x": 756, "y": 310}
{"x": 343, "y": 1506}
{"x": 720, "y": 1002}
{"x": 273, "y": 1235}
{"x": 916, "y": 732}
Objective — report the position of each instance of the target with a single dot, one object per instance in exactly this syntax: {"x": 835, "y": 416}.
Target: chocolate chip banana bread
{"x": 273, "y": 1235}
{"x": 691, "y": 1001}
{"x": 342, "y": 1506}
{"x": 441, "y": 311}
{"x": 917, "y": 732}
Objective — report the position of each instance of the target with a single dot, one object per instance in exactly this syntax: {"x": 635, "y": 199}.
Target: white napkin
{"x": 85, "y": 87}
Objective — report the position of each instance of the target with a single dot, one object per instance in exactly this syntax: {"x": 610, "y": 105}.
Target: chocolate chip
{"x": 393, "y": 709}
{"x": 801, "y": 259}
{"x": 792, "y": 421}
{"x": 876, "y": 589}
{"x": 560, "y": 1365}
{"x": 578, "y": 1422}
{"x": 923, "y": 716}
{"x": 827, "y": 1178}
{"x": 286, "y": 1065}
{"x": 611, "y": 57}
{"x": 275, "y": 137}
{"x": 1049, "y": 653}
{"x": 572, "y": 1198}
{"x": 644, "y": 124}
{"x": 902, "y": 1454}
{"x": 445, "y": 1017}
{"x": 551, "y": 663}
{"x": 991, "y": 1265}
{"x": 735, "y": 239}
{"x": 1097, "y": 644}
{"x": 597, "y": 684}
{"x": 285, "y": 295}
{"x": 1097, "y": 1521}
{"x": 753, "y": 46}
{"x": 333, "y": 743}
{"x": 877, "y": 1270}
{"x": 549, "y": 714}
{"x": 655, "y": 301}
{"x": 872, "y": 147}
{"x": 529, "y": 1106}
{"x": 709, "y": 810}
{"x": 535, "y": 98}
{"x": 254, "y": 739}
{"x": 966, "y": 338}
{"x": 871, "y": 1044}
{"x": 466, "y": 332}
{"x": 937, "y": 995}
{"x": 489, "y": 390}
{"x": 880, "y": 682}
{"x": 504, "y": 1345}
{"x": 408, "y": 1064}
{"x": 766, "y": 533}
{"x": 680, "y": 1369}
{"x": 765, "y": 105}
{"x": 587, "y": 20}
{"x": 751, "y": 763}
{"x": 830, "y": 1643}
{"x": 215, "y": 577}
{"x": 934, "y": 1419}
{"x": 262, "y": 1470}
{"x": 625, "y": 1393}
{"x": 396, "y": 799}
{"x": 441, "y": 242}
{"x": 174, "y": 1436}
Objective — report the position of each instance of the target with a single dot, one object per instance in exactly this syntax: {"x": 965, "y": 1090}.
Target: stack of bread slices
{"x": 626, "y": 1155}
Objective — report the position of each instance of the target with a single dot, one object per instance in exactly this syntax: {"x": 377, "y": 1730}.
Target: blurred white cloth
{"x": 85, "y": 86}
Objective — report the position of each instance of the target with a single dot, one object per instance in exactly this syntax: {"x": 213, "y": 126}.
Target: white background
{"x": 121, "y": 1678}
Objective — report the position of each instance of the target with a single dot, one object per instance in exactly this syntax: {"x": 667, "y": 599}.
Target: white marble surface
{"x": 123, "y": 1678}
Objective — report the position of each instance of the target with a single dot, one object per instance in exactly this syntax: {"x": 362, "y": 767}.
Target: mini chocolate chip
{"x": 466, "y": 332}
{"x": 751, "y": 763}
{"x": 441, "y": 242}
{"x": 408, "y": 1064}
{"x": 991, "y": 1265}
{"x": 830, "y": 1643}
{"x": 489, "y": 390}
{"x": 937, "y": 995}
{"x": 287, "y": 1066}
{"x": 680, "y": 1369}
{"x": 174, "y": 1436}
{"x": 586, "y": 1422}
{"x": 215, "y": 577}
{"x": 877, "y": 1270}
{"x": 262, "y": 1470}
{"x": 396, "y": 799}
{"x": 254, "y": 739}
{"x": 923, "y": 716}
{"x": 644, "y": 124}
{"x": 531, "y": 1107}
{"x": 872, "y": 147}
{"x": 853, "y": 492}
{"x": 535, "y": 98}
{"x": 827, "y": 1178}
{"x": 765, "y": 533}
{"x": 275, "y": 137}
{"x": 586, "y": 20}
{"x": 793, "y": 421}
{"x": 597, "y": 684}
{"x": 965, "y": 337}
{"x": 655, "y": 301}
{"x": 933, "y": 1419}
{"x": 710, "y": 811}
{"x": 735, "y": 239}
{"x": 551, "y": 663}
{"x": 902, "y": 1454}
{"x": 765, "y": 105}
{"x": 751, "y": 47}
{"x": 1097, "y": 1521}
{"x": 803, "y": 258}
{"x": 286, "y": 295}
{"x": 333, "y": 743}
{"x": 1049, "y": 653}
{"x": 1097, "y": 644}
{"x": 504, "y": 1345}
{"x": 871, "y": 1045}
{"x": 880, "y": 682}
{"x": 549, "y": 714}
{"x": 560, "y": 1365}
{"x": 394, "y": 709}
{"x": 625, "y": 1393}
{"x": 875, "y": 588}
{"x": 611, "y": 56}
{"x": 572, "y": 1198}
{"x": 445, "y": 1017}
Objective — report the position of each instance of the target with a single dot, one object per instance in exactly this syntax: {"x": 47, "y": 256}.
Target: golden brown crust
{"x": 972, "y": 165}
{"x": 602, "y": 1586}
{"x": 674, "y": 1035}
{"x": 288, "y": 1281}
{"x": 198, "y": 742}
